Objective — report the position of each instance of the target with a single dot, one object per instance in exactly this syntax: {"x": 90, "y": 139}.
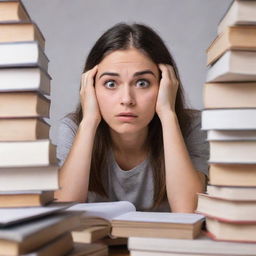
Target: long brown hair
{"x": 120, "y": 37}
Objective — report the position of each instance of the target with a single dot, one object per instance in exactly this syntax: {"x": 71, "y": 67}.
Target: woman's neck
{"x": 131, "y": 144}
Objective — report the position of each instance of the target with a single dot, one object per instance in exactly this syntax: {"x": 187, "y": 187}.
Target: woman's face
{"x": 126, "y": 86}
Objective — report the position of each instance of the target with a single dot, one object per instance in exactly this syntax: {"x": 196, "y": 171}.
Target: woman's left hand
{"x": 167, "y": 91}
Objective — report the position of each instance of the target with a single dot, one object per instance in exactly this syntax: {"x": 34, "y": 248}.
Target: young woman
{"x": 131, "y": 137}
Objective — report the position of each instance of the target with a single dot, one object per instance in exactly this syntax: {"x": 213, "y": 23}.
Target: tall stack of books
{"x": 230, "y": 119}
{"x": 30, "y": 223}
{"x": 28, "y": 169}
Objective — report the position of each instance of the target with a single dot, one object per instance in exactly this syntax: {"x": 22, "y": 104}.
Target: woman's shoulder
{"x": 69, "y": 122}
{"x": 194, "y": 125}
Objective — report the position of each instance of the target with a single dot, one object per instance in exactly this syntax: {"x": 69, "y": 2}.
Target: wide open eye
{"x": 110, "y": 84}
{"x": 142, "y": 83}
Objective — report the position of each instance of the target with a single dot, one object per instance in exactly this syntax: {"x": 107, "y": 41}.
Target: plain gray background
{"x": 71, "y": 27}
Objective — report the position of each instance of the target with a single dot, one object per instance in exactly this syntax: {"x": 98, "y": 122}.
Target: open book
{"x": 126, "y": 221}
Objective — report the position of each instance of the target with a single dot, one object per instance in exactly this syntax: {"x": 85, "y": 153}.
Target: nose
{"x": 127, "y": 97}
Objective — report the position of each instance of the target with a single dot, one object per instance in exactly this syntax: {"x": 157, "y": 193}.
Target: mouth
{"x": 126, "y": 117}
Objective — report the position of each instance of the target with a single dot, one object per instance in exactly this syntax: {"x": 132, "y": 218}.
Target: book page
{"x": 161, "y": 217}
{"x": 108, "y": 210}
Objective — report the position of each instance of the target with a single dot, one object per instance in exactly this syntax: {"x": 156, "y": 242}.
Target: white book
{"x": 229, "y": 119}
{"x": 233, "y": 152}
{"x": 22, "y": 54}
{"x": 241, "y": 12}
{"x": 29, "y": 178}
{"x": 230, "y": 135}
{"x": 232, "y": 192}
{"x": 200, "y": 246}
{"x": 233, "y": 66}
{"x": 10, "y": 216}
{"x": 24, "y": 79}
{"x": 27, "y": 153}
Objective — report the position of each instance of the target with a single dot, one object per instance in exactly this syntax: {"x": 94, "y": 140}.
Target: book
{"x": 235, "y": 38}
{"x": 27, "y": 153}
{"x": 23, "y": 104}
{"x": 60, "y": 246}
{"x": 23, "y": 129}
{"x": 90, "y": 234}
{"x": 23, "y": 54}
{"x": 25, "y": 198}
{"x": 20, "y": 216}
{"x": 233, "y": 152}
{"x": 228, "y": 210}
{"x": 96, "y": 249}
{"x": 233, "y": 66}
{"x": 228, "y": 231}
{"x": 126, "y": 221}
{"x": 233, "y": 174}
{"x": 229, "y": 95}
{"x": 232, "y": 192}
{"x": 240, "y": 12}
{"x": 13, "y": 10}
{"x": 231, "y": 135}
{"x": 21, "y": 31}
{"x": 154, "y": 253}
{"x": 228, "y": 119}
{"x": 29, "y": 178}
{"x": 200, "y": 246}
{"x": 29, "y": 236}
{"x": 24, "y": 79}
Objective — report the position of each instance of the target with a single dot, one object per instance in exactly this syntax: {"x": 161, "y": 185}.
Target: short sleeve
{"x": 66, "y": 134}
{"x": 197, "y": 145}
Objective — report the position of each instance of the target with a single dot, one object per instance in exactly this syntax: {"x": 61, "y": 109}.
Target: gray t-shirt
{"x": 135, "y": 185}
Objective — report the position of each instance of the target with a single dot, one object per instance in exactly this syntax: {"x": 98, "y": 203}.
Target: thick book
{"x": 232, "y": 192}
{"x": 90, "y": 234}
{"x": 229, "y": 231}
{"x": 29, "y": 236}
{"x": 231, "y": 135}
{"x": 83, "y": 249}
{"x": 21, "y": 31}
{"x": 22, "y": 54}
{"x": 23, "y": 104}
{"x": 27, "y": 198}
{"x": 13, "y": 10}
{"x": 240, "y": 12}
{"x": 23, "y": 129}
{"x": 60, "y": 246}
{"x": 24, "y": 79}
{"x": 229, "y": 119}
{"x": 229, "y": 95}
{"x": 29, "y": 178}
{"x": 201, "y": 246}
{"x": 233, "y": 174}
{"x": 126, "y": 221}
{"x": 233, "y": 152}
{"x": 236, "y": 38}
{"x": 27, "y": 153}
{"x": 20, "y": 215}
{"x": 233, "y": 66}
{"x": 227, "y": 210}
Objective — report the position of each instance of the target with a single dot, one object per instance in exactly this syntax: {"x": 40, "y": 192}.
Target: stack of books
{"x": 112, "y": 223}
{"x": 230, "y": 119}
{"x": 28, "y": 166}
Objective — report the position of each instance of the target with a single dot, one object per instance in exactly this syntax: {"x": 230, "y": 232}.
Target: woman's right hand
{"x": 88, "y": 98}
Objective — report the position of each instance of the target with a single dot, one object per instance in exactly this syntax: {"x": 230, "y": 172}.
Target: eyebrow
{"x": 139, "y": 73}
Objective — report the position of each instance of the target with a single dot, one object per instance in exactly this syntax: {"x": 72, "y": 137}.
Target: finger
{"x": 91, "y": 76}
{"x": 172, "y": 73}
{"x": 164, "y": 70}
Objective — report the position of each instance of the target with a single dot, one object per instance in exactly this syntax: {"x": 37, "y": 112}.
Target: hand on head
{"x": 88, "y": 97}
{"x": 167, "y": 90}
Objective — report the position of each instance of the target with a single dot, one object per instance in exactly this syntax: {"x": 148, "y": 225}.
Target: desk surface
{"x": 120, "y": 250}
